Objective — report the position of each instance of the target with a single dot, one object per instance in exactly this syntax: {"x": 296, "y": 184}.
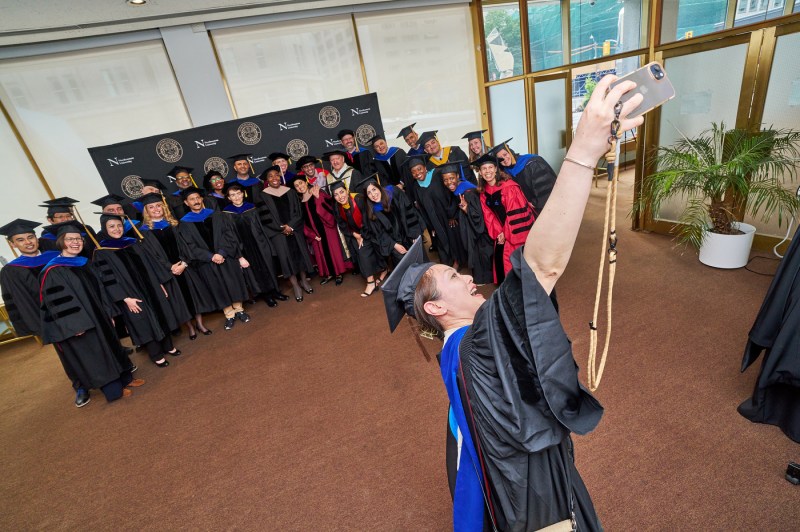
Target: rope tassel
{"x": 608, "y": 253}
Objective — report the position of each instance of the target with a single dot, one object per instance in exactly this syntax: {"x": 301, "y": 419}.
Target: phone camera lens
{"x": 658, "y": 73}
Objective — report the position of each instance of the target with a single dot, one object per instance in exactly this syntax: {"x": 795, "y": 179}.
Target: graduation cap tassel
{"x": 194, "y": 184}
{"x": 136, "y": 229}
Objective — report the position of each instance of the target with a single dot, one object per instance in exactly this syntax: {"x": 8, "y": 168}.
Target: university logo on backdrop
{"x": 169, "y": 150}
{"x": 297, "y": 148}
{"x": 216, "y": 163}
{"x": 364, "y": 133}
{"x": 132, "y": 186}
{"x": 329, "y": 116}
{"x": 249, "y": 133}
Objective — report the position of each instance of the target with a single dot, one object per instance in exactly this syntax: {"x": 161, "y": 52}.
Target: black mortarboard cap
{"x": 240, "y": 157}
{"x": 486, "y": 158}
{"x": 104, "y": 219}
{"x": 152, "y": 197}
{"x": 61, "y": 201}
{"x": 327, "y": 155}
{"x": 502, "y": 146}
{"x": 415, "y": 160}
{"x": 263, "y": 176}
{"x": 19, "y": 226}
{"x": 71, "y": 226}
{"x": 304, "y": 160}
{"x": 343, "y": 132}
{"x": 475, "y": 134}
{"x": 110, "y": 199}
{"x": 361, "y": 186}
{"x": 398, "y": 289}
{"x": 406, "y": 130}
{"x": 188, "y": 191}
{"x": 451, "y": 167}
{"x": 425, "y": 137}
{"x": 176, "y": 169}
{"x": 153, "y": 183}
{"x": 376, "y": 137}
{"x": 278, "y": 155}
{"x": 339, "y": 183}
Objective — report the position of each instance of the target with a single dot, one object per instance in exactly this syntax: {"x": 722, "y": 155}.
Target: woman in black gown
{"x": 283, "y": 221}
{"x": 75, "y": 319}
{"x": 158, "y": 221}
{"x": 390, "y": 218}
{"x": 129, "y": 282}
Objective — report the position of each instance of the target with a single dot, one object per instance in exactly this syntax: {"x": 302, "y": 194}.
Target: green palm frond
{"x": 716, "y": 168}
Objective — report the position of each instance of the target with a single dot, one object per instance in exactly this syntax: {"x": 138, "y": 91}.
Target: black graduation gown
{"x": 19, "y": 281}
{"x": 213, "y": 286}
{"x": 291, "y": 250}
{"x": 176, "y": 204}
{"x": 390, "y": 167}
{"x": 398, "y": 226}
{"x": 72, "y": 302}
{"x": 167, "y": 240}
{"x": 536, "y": 179}
{"x": 521, "y": 381}
{"x": 122, "y": 274}
{"x": 362, "y": 161}
{"x": 436, "y": 201}
{"x": 479, "y": 245}
{"x": 456, "y": 154}
{"x": 256, "y": 248}
{"x": 776, "y": 331}
{"x": 366, "y": 257}
{"x": 214, "y": 203}
{"x": 173, "y": 307}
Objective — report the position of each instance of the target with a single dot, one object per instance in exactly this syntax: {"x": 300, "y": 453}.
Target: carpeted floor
{"x": 313, "y": 417}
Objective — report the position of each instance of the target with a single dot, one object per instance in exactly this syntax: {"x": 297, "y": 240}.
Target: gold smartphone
{"x": 652, "y": 83}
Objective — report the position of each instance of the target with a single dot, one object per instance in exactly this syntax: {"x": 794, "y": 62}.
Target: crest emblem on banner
{"x": 216, "y": 163}
{"x": 329, "y": 116}
{"x": 249, "y": 133}
{"x": 364, "y": 133}
{"x": 169, "y": 150}
{"x": 132, "y": 186}
{"x": 297, "y": 148}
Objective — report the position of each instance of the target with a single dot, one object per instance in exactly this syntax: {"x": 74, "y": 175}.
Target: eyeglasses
{"x": 74, "y": 239}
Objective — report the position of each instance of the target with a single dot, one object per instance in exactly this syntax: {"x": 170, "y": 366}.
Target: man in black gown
{"x": 183, "y": 180}
{"x": 507, "y": 363}
{"x": 440, "y": 155}
{"x": 412, "y": 139}
{"x": 357, "y": 157}
{"x": 19, "y": 281}
{"x": 215, "y": 278}
{"x": 112, "y": 204}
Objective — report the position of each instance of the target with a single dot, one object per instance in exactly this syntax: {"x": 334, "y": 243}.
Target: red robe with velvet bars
{"x": 515, "y": 217}
{"x": 320, "y": 223}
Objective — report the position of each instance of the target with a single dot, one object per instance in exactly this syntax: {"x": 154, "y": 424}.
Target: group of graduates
{"x": 166, "y": 259}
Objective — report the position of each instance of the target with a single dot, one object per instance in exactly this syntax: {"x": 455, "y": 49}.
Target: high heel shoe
{"x": 163, "y": 364}
{"x": 193, "y": 336}
{"x": 367, "y": 294}
{"x": 206, "y": 332}
{"x": 175, "y": 353}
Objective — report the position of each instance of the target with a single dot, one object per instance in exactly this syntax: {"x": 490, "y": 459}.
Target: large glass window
{"x": 509, "y": 120}
{"x": 501, "y": 30}
{"x": 684, "y": 19}
{"x": 753, "y": 11}
{"x": 544, "y": 30}
{"x": 604, "y": 27}
{"x": 422, "y": 65}
{"x": 584, "y": 80}
{"x": 66, "y": 103}
{"x": 270, "y": 67}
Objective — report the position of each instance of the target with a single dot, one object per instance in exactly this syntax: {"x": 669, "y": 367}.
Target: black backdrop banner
{"x": 308, "y": 130}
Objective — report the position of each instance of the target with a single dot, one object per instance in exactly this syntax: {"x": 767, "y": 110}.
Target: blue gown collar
{"x": 73, "y": 262}
{"x": 247, "y": 182}
{"x": 197, "y": 217}
{"x": 238, "y": 210}
{"x": 522, "y": 160}
{"x": 462, "y": 187}
{"x": 34, "y": 262}
{"x": 159, "y": 225}
{"x": 117, "y": 243}
{"x": 388, "y": 155}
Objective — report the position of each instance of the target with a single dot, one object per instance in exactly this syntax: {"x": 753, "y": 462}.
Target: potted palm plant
{"x": 717, "y": 172}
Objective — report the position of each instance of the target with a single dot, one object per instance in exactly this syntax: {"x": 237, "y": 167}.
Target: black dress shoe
{"x": 326, "y": 280}
{"x": 193, "y": 336}
{"x": 281, "y": 297}
{"x": 270, "y": 302}
{"x": 339, "y": 280}
{"x": 163, "y": 364}
{"x": 175, "y": 353}
{"x": 82, "y": 397}
{"x": 206, "y": 332}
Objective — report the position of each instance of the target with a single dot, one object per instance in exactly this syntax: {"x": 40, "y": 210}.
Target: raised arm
{"x": 550, "y": 241}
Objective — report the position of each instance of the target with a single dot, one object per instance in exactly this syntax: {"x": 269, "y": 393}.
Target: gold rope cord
{"x": 608, "y": 252}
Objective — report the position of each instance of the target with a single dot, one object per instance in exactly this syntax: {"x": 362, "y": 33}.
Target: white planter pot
{"x": 728, "y": 251}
